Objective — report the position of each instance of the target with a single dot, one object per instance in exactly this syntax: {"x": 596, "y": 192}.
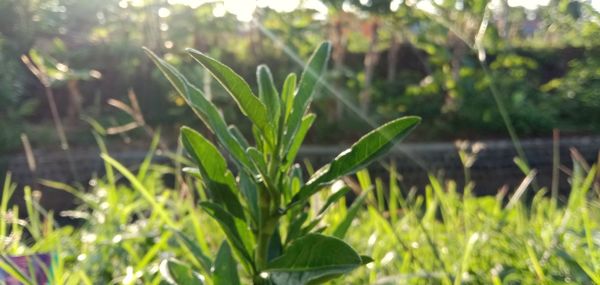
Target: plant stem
{"x": 268, "y": 203}
{"x": 262, "y": 242}
{"x": 266, "y": 228}
{"x": 262, "y": 248}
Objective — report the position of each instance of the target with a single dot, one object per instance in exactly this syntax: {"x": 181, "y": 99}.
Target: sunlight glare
{"x": 219, "y": 10}
{"x": 284, "y": 6}
{"x": 318, "y": 6}
{"x": 164, "y": 12}
{"x": 528, "y": 4}
{"x": 190, "y": 3}
{"x": 395, "y": 5}
{"x": 136, "y": 3}
{"x": 242, "y": 9}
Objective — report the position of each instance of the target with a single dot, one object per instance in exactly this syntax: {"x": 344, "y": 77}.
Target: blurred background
{"x": 473, "y": 69}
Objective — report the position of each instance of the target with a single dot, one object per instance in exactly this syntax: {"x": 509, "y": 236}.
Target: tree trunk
{"x": 339, "y": 41}
{"x": 75, "y": 100}
{"x": 393, "y": 58}
{"x": 458, "y": 50}
{"x": 371, "y": 60}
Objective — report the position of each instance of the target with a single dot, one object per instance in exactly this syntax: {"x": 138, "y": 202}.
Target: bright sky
{"x": 244, "y": 9}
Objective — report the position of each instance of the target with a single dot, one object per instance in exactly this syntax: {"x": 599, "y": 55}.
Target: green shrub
{"x": 262, "y": 211}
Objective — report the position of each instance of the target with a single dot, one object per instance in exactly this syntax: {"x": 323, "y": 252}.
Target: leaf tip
{"x": 365, "y": 259}
{"x": 185, "y": 129}
{"x": 416, "y": 119}
{"x": 263, "y": 70}
{"x": 194, "y": 51}
{"x": 149, "y": 52}
{"x": 326, "y": 45}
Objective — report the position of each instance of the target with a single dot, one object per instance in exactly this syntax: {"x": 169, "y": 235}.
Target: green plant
{"x": 263, "y": 211}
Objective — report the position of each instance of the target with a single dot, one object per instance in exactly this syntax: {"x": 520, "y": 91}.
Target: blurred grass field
{"x": 437, "y": 235}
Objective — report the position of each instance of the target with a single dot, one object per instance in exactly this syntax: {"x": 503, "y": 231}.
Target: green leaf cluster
{"x": 260, "y": 202}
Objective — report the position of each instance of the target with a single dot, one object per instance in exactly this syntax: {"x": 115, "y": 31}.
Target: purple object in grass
{"x": 34, "y": 267}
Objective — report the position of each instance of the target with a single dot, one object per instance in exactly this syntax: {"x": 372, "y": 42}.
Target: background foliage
{"x": 389, "y": 58}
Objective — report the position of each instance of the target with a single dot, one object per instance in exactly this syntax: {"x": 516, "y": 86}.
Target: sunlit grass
{"x": 439, "y": 235}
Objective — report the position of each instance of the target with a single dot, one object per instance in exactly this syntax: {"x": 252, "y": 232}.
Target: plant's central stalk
{"x": 267, "y": 225}
{"x": 268, "y": 202}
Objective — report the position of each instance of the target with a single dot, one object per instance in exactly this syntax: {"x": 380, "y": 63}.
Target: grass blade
{"x": 342, "y": 228}
{"x": 137, "y": 185}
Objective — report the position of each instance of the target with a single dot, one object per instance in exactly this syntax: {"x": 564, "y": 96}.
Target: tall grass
{"x": 440, "y": 234}
{"x": 453, "y": 237}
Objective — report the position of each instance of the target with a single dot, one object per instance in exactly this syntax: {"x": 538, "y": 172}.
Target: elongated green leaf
{"x": 149, "y": 155}
{"x": 342, "y": 228}
{"x": 365, "y": 259}
{"x": 313, "y": 258}
{"x": 176, "y": 273}
{"x": 205, "y": 109}
{"x": 225, "y": 271}
{"x": 237, "y": 134}
{"x": 258, "y": 160}
{"x": 138, "y": 186}
{"x": 7, "y": 192}
{"x": 334, "y": 198}
{"x": 217, "y": 124}
{"x": 315, "y": 67}
{"x": 10, "y": 268}
{"x": 213, "y": 168}
{"x": 307, "y": 122}
{"x": 294, "y": 182}
{"x": 237, "y": 231}
{"x": 366, "y": 150}
{"x": 151, "y": 252}
{"x": 196, "y": 251}
{"x": 177, "y": 80}
{"x": 261, "y": 144}
{"x": 295, "y": 227}
{"x": 268, "y": 93}
{"x": 237, "y": 87}
{"x": 250, "y": 192}
{"x": 287, "y": 95}
{"x": 576, "y": 266}
{"x": 308, "y": 228}
{"x": 275, "y": 246}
